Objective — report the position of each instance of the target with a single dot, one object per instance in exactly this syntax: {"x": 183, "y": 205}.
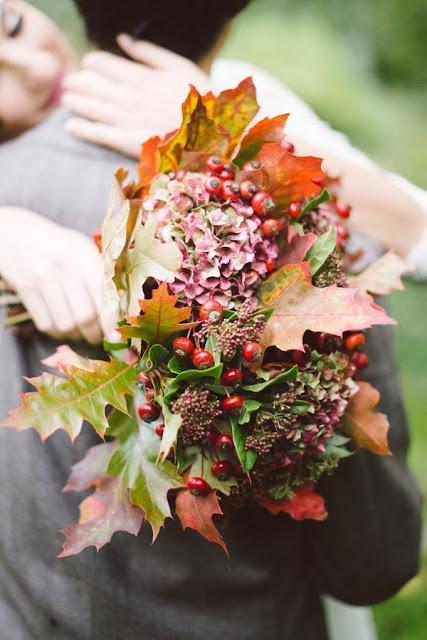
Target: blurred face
{"x": 34, "y": 57}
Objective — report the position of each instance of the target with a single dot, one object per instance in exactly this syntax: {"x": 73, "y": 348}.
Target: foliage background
{"x": 362, "y": 66}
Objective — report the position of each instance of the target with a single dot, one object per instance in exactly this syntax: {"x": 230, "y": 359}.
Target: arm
{"x": 369, "y": 546}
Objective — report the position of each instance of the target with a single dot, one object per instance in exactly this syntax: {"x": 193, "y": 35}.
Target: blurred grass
{"x": 332, "y": 70}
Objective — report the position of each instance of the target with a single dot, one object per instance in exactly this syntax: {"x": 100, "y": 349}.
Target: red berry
{"x": 150, "y": 394}
{"x": 318, "y": 181}
{"x": 271, "y": 227}
{"x": 342, "y": 233}
{"x": 354, "y": 340}
{"x": 270, "y": 264}
{"x": 252, "y": 165}
{"x": 224, "y": 442}
{"x": 232, "y": 377}
{"x": 183, "y": 347}
{"x": 211, "y": 310}
{"x": 343, "y": 209}
{"x": 211, "y": 437}
{"x": 248, "y": 189}
{"x": 252, "y": 351}
{"x": 160, "y": 429}
{"x": 231, "y": 190}
{"x": 238, "y": 470}
{"x": 180, "y": 175}
{"x": 215, "y": 164}
{"x": 97, "y": 239}
{"x": 294, "y": 209}
{"x": 203, "y": 360}
{"x": 198, "y": 486}
{"x": 149, "y": 412}
{"x": 144, "y": 381}
{"x": 288, "y": 146}
{"x": 300, "y": 357}
{"x": 214, "y": 186}
{"x": 263, "y": 203}
{"x": 222, "y": 469}
{"x": 227, "y": 173}
{"x": 327, "y": 343}
{"x": 232, "y": 404}
{"x": 360, "y": 360}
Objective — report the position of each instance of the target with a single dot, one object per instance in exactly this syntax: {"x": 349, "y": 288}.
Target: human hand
{"x": 56, "y": 272}
{"x": 121, "y": 103}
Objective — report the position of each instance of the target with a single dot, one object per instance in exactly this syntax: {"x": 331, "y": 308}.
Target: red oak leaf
{"x": 298, "y": 307}
{"x": 195, "y": 512}
{"x": 383, "y": 276}
{"x": 94, "y": 465}
{"x": 267, "y": 130}
{"x": 64, "y": 356}
{"x": 305, "y": 505}
{"x": 149, "y": 161}
{"x": 287, "y": 176}
{"x": 103, "y": 513}
{"x": 367, "y": 427}
{"x": 295, "y": 246}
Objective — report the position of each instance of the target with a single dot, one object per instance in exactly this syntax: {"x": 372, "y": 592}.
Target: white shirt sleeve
{"x": 274, "y": 98}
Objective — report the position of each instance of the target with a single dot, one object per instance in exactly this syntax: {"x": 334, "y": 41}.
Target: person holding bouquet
{"x": 178, "y": 587}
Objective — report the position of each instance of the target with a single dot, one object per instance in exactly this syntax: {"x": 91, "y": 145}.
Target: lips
{"x": 56, "y": 91}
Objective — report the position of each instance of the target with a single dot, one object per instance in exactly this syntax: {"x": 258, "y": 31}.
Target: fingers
{"x": 92, "y": 84}
{"x": 106, "y": 135}
{"x": 92, "y": 108}
{"x": 115, "y": 68}
{"x": 38, "y": 310}
{"x": 150, "y": 54}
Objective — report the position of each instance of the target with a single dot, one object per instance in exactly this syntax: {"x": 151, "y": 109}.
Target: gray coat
{"x": 182, "y": 587}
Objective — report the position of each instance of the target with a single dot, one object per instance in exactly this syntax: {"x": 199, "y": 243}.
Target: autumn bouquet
{"x": 235, "y": 372}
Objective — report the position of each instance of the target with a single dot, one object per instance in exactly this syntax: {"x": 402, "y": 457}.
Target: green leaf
{"x": 172, "y": 422}
{"x": 321, "y": 250}
{"x": 153, "y": 358}
{"x": 301, "y": 407}
{"x": 337, "y": 447}
{"x": 148, "y": 481}
{"x": 247, "y": 458}
{"x": 249, "y": 407}
{"x": 313, "y": 204}
{"x": 84, "y": 395}
{"x": 110, "y": 347}
{"x": 161, "y": 318}
{"x": 121, "y": 425}
{"x": 287, "y": 376}
{"x": 201, "y": 468}
{"x": 192, "y": 376}
{"x": 212, "y": 346}
{"x": 178, "y": 365}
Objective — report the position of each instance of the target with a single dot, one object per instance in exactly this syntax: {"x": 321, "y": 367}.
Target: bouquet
{"x": 235, "y": 374}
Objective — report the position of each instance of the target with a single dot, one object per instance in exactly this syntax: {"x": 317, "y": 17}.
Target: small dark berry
{"x": 224, "y": 442}
{"x": 232, "y": 404}
{"x": 288, "y": 146}
{"x": 214, "y": 186}
{"x": 232, "y": 377}
{"x": 248, "y": 189}
{"x": 160, "y": 430}
{"x": 271, "y": 227}
{"x": 149, "y": 412}
{"x": 252, "y": 351}
{"x": 231, "y": 190}
{"x": 144, "y": 381}
{"x": 343, "y": 209}
{"x": 354, "y": 340}
{"x": 198, "y": 486}
{"x": 252, "y": 165}
{"x": 222, "y": 469}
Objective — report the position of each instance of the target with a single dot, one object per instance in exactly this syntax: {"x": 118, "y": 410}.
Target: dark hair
{"x": 187, "y": 27}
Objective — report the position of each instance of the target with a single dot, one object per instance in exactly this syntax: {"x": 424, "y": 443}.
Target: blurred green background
{"x": 362, "y": 66}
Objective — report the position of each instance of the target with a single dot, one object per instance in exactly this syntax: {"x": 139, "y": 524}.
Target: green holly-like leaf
{"x": 247, "y": 458}
{"x": 161, "y": 318}
{"x": 337, "y": 446}
{"x": 153, "y": 358}
{"x": 172, "y": 422}
{"x": 84, "y": 395}
{"x": 315, "y": 202}
{"x": 192, "y": 376}
{"x": 321, "y": 250}
{"x": 148, "y": 480}
{"x": 249, "y": 407}
{"x": 287, "y": 376}
{"x": 201, "y": 468}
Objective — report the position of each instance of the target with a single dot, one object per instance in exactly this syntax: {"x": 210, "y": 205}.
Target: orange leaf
{"x": 160, "y": 320}
{"x": 298, "y": 307}
{"x": 267, "y": 130}
{"x": 287, "y": 176}
{"x": 195, "y": 512}
{"x": 367, "y": 427}
{"x": 305, "y": 505}
{"x": 149, "y": 161}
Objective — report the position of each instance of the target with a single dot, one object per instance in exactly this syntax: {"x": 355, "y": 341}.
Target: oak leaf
{"x": 264, "y": 131}
{"x": 161, "y": 318}
{"x": 83, "y": 395}
{"x": 196, "y": 512}
{"x": 305, "y": 505}
{"x": 299, "y": 307}
{"x": 383, "y": 276}
{"x": 364, "y": 424}
{"x": 295, "y": 246}
{"x": 287, "y": 176}
{"x": 102, "y": 514}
